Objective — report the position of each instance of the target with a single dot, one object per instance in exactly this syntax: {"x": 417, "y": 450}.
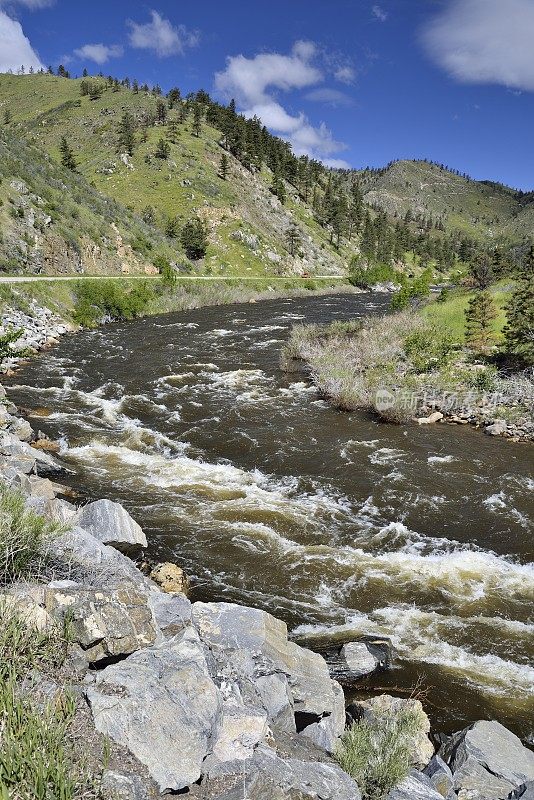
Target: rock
{"x": 172, "y": 613}
{"x": 111, "y": 524}
{"x": 118, "y": 786}
{"x": 386, "y": 706}
{"x": 359, "y": 659}
{"x": 43, "y": 487}
{"x": 488, "y": 759}
{"x": 524, "y": 792}
{"x": 440, "y": 776}
{"x": 496, "y": 429}
{"x": 104, "y": 624}
{"x": 46, "y": 444}
{"x": 430, "y": 420}
{"x": 316, "y": 700}
{"x": 170, "y": 577}
{"x": 268, "y": 777}
{"x": 21, "y": 428}
{"x": 99, "y": 565}
{"x": 161, "y": 704}
{"x": 415, "y": 787}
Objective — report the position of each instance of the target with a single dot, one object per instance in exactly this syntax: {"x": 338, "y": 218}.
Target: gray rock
{"x": 317, "y": 700}
{"x": 172, "y": 612}
{"x": 415, "y": 787}
{"x": 161, "y": 704}
{"x": 359, "y": 659}
{"x": 118, "y": 786}
{"x": 496, "y": 429}
{"x": 440, "y": 776}
{"x": 104, "y": 624}
{"x": 488, "y": 759}
{"x": 269, "y": 777}
{"x": 524, "y": 792}
{"x": 111, "y": 524}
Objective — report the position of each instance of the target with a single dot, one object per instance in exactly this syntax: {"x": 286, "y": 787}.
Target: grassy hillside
{"x": 450, "y": 315}
{"x": 246, "y": 223}
{"x": 483, "y": 209}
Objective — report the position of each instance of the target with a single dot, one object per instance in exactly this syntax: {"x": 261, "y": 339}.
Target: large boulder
{"x": 440, "y": 776}
{"x": 488, "y": 759}
{"x": 161, "y": 704}
{"x": 416, "y": 786}
{"x": 267, "y": 776}
{"x": 170, "y": 578}
{"x": 316, "y": 700}
{"x": 358, "y": 659}
{"x": 104, "y": 624}
{"x": 111, "y": 524}
{"x": 524, "y": 792}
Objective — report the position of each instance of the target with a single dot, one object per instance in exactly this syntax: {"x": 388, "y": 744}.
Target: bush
{"x": 412, "y": 290}
{"x": 428, "y": 349}
{"x": 379, "y": 273}
{"x": 22, "y": 536}
{"x": 377, "y": 753}
{"x": 194, "y": 238}
{"x": 106, "y": 300}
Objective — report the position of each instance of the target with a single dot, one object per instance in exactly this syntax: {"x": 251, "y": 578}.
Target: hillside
{"x": 478, "y": 208}
{"x": 121, "y": 212}
{"x": 247, "y": 224}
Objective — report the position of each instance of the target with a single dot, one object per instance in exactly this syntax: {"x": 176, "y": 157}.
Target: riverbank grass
{"x": 378, "y": 752}
{"x": 450, "y": 314}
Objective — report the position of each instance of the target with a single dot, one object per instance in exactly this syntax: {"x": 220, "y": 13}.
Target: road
{"x": 270, "y": 278}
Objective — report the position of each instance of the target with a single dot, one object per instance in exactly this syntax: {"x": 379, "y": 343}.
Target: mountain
{"x": 482, "y": 209}
{"x": 271, "y": 214}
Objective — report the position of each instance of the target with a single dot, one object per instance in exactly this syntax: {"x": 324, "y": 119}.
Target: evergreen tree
{"x": 278, "y": 187}
{"x": 172, "y": 131}
{"x": 171, "y": 227}
{"x": 173, "y": 98}
{"x": 67, "y": 156}
{"x": 7, "y": 117}
{"x": 519, "y": 330}
{"x": 292, "y": 239}
{"x": 161, "y": 112}
{"x": 62, "y": 72}
{"x": 197, "y": 119}
{"x": 85, "y": 74}
{"x": 95, "y": 91}
{"x": 135, "y": 87}
{"x": 163, "y": 150}
{"x": 148, "y": 215}
{"x": 223, "y": 167}
{"x": 194, "y": 238}
{"x": 481, "y": 270}
{"x": 126, "y": 134}
{"x": 479, "y": 316}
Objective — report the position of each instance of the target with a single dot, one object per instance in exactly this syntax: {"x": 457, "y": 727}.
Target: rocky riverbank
{"x": 213, "y": 699}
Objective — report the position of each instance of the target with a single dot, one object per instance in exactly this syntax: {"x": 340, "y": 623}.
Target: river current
{"x": 335, "y": 522}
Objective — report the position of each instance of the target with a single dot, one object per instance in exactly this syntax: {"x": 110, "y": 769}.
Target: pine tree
{"x": 67, "y": 156}
{"x": 292, "y": 239}
{"x": 194, "y": 238}
{"x": 161, "y": 112}
{"x": 197, "y": 119}
{"x": 171, "y": 227}
{"x": 223, "y": 167}
{"x": 7, "y": 117}
{"x": 172, "y": 131}
{"x": 479, "y": 316}
{"x": 173, "y": 98}
{"x": 126, "y": 131}
{"x": 163, "y": 150}
{"x": 85, "y": 74}
{"x": 519, "y": 330}
{"x": 481, "y": 270}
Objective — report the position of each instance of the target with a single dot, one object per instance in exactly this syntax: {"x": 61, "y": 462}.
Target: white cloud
{"x": 379, "y": 13}
{"x": 15, "y": 47}
{"x": 345, "y": 74}
{"x": 31, "y": 4}
{"x": 254, "y": 83}
{"x": 161, "y": 36}
{"x": 100, "y": 53}
{"x": 485, "y": 41}
{"x": 330, "y": 97}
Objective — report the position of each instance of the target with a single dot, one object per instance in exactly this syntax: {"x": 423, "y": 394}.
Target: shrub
{"x": 364, "y": 278}
{"x": 428, "y": 349}
{"x": 377, "y": 753}
{"x": 101, "y": 300}
{"x": 194, "y": 238}
{"x": 22, "y": 536}
{"x": 7, "y": 339}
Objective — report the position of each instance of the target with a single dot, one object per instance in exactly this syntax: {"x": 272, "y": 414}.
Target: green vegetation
{"x": 6, "y": 340}
{"x": 519, "y": 331}
{"x": 412, "y": 291}
{"x": 367, "y": 276}
{"x": 450, "y": 313}
{"x": 100, "y": 300}
{"x": 377, "y": 753}
{"x": 194, "y": 238}
{"x": 23, "y": 535}
{"x": 480, "y": 315}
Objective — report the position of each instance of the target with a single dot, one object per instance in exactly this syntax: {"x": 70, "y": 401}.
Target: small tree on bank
{"x": 479, "y": 317}
{"x": 67, "y": 155}
{"x": 163, "y": 150}
{"x": 194, "y": 238}
{"x": 126, "y": 131}
{"x": 292, "y": 239}
{"x": 223, "y": 167}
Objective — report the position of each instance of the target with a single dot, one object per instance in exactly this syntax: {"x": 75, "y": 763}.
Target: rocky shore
{"x": 211, "y": 699}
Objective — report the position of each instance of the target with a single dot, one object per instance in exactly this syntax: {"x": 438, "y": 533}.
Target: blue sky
{"x": 352, "y": 82}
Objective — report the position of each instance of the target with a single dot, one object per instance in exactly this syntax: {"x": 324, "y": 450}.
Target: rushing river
{"x": 267, "y": 496}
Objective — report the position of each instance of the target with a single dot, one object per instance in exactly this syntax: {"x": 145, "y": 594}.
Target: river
{"x": 333, "y": 521}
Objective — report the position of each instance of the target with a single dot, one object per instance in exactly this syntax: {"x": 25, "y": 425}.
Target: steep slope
{"x": 247, "y": 223}
{"x": 482, "y": 209}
